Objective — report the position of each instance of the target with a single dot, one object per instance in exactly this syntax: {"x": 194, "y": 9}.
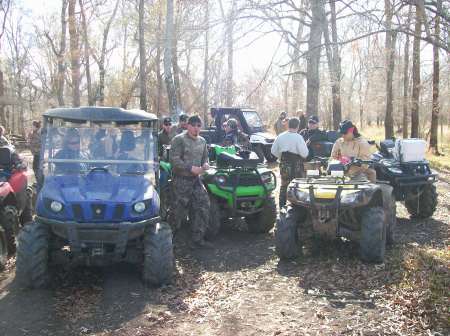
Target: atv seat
{"x": 226, "y": 159}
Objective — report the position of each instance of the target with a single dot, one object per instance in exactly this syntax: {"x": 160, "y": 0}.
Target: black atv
{"x": 413, "y": 182}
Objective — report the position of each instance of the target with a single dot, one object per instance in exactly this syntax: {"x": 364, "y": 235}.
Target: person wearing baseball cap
{"x": 312, "y": 132}
{"x": 165, "y": 135}
{"x": 353, "y": 145}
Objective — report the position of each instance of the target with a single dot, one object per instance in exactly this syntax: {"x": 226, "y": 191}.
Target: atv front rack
{"x": 234, "y": 186}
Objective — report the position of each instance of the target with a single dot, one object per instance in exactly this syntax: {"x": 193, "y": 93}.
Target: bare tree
{"x": 435, "y": 108}
{"x": 142, "y": 60}
{"x": 168, "y": 55}
{"x": 313, "y": 59}
{"x": 101, "y": 61}
{"x": 87, "y": 53}
{"x": 390, "y": 63}
{"x": 416, "y": 76}
{"x": 406, "y": 79}
{"x": 74, "y": 54}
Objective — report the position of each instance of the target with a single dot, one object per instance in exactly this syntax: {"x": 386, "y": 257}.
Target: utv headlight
{"x": 221, "y": 179}
{"x": 266, "y": 178}
{"x": 349, "y": 198}
{"x": 56, "y": 206}
{"x": 139, "y": 207}
{"x": 395, "y": 170}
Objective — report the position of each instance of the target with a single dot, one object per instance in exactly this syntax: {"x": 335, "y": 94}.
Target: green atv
{"x": 238, "y": 186}
{"x": 334, "y": 206}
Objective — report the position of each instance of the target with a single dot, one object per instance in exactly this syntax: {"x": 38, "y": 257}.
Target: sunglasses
{"x": 167, "y": 124}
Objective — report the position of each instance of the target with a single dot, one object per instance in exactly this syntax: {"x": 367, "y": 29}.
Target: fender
{"x": 5, "y": 189}
{"x": 262, "y": 138}
{"x": 18, "y": 181}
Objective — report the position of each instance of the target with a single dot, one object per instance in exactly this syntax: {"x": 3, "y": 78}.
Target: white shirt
{"x": 290, "y": 142}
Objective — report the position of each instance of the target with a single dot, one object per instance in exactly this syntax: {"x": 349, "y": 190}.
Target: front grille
{"x": 98, "y": 211}
{"x": 104, "y": 236}
{"x": 118, "y": 212}
{"x": 77, "y": 212}
{"x": 244, "y": 180}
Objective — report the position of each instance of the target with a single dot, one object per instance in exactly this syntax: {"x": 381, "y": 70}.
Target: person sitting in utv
{"x": 71, "y": 151}
{"x": 233, "y": 136}
{"x": 353, "y": 146}
{"x": 127, "y": 145}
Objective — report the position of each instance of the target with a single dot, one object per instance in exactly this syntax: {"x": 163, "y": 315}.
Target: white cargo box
{"x": 410, "y": 150}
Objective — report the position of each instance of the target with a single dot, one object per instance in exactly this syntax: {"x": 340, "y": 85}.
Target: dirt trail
{"x": 239, "y": 288}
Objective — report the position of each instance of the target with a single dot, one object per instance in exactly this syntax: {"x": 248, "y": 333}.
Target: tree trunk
{"x": 206, "y": 66}
{"x": 406, "y": 80}
{"x": 74, "y": 54}
{"x": 230, "y": 55}
{"x": 176, "y": 70}
{"x": 159, "y": 78}
{"x": 87, "y": 53}
{"x": 336, "y": 88}
{"x": 297, "y": 78}
{"x": 435, "y": 109}
{"x": 101, "y": 62}
{"x": 390, "y": 64}
{"x": 313, "y": 59}
{"x": 168, "y": 52}
{"x": 61, "y": 54}
{"x": 142, "y": 60}
{"x": 416, "y": 77}
{"x": 3, "y": 118}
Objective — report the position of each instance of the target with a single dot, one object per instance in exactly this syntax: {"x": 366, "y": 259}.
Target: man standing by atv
{"x": 189, "y": 159}
{"x": 353, "y": 145}
{"x": 280, "y": 124}
{"x": 291, "y": 149}
{"x": 233, "y": 136}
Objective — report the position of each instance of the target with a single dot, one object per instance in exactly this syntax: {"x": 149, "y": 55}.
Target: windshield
{"x": 75, "y": 150}
{"x": 253, "y": 120}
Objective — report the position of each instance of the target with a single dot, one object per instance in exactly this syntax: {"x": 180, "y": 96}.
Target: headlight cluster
{"x": 139, "y": 207}
{"x": 56, "y": 206}
{"x": 395, "y": 170}
{"x": 220, "y": 179}
{"x": 266, "y": 178}
{"x": 349, "y": 198}
{"x": 302, "y": 195}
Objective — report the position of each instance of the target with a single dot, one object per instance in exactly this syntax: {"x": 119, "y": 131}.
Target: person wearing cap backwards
{"x": 165, "y": 135}
{"x": 182, "y": 123}
{"x": 280, "y": 124}
{"x": 352, "y": 145}
{"x": 312, "y": 132}
{"x": 291, "y": 149}
{"x": 189, "y": 159}
{"x": 233, "y": 136}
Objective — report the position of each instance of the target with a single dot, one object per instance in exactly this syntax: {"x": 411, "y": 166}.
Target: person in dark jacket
{"x": 312, "y": 132}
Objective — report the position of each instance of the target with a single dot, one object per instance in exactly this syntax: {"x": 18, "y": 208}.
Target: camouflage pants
{"x": 289, "y": 170}
{"x": 189, "y": 197}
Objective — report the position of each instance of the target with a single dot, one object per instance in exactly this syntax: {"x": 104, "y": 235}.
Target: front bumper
{"x": 82, "y": 236}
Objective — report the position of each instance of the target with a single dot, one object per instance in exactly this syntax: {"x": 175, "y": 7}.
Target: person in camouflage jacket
{"x": 34, "y": 143}
{"x": 189, "y": 159}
